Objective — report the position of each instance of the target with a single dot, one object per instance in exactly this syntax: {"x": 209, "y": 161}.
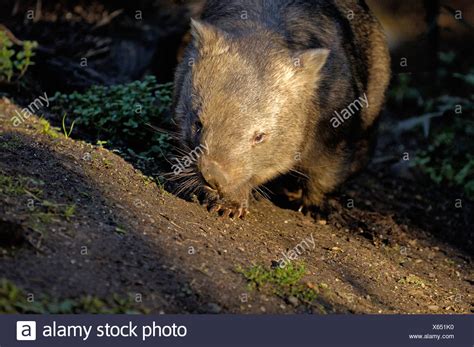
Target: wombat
{"x": 268, "y": 87}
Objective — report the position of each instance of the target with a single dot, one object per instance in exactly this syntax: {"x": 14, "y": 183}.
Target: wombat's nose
{"x": 212, "y": 173}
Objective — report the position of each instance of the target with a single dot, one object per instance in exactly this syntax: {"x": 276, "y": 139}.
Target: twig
{"x": 10, "y": 35}
{"x": 38, "y": 12}
{"x": 453, "y": 12}
{"x": 108, "y": 18}
{"x": 16, "y": 7}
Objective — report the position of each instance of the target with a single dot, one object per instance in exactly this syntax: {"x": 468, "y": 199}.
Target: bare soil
{"x": 403, "y": 247}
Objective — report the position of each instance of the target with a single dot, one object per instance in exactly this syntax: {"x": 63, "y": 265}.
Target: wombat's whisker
{"x": 187, "y": 185}
{"x": 267, "y": 189}
{"x": 183, "y": 176}
{"x": 182, "y": 147}
{"x": 186, "y": 173}
{"x": 181, "y": 151}
{"x": 171, "y": 176}
{"x": 168, "y": 161}
{"x": 197, "y": 188}
{"x": 299, "y": 173}
{"x": 261, "y": 193}
{"x": 170, "y": 133}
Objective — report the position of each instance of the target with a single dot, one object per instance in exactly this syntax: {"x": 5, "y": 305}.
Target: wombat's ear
{"x": 208, "y": 38}
{"x": 312, "y": 60}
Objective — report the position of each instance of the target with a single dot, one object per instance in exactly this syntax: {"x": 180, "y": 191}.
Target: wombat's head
{"x": 245, "y": 102}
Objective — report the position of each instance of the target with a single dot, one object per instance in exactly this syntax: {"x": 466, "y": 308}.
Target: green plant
{"x": 69, "y": 212}
{"x": 412, "y": 280}
{"x": 43, "y": 211}
{"x": 466, "y": 78}
{"x": 66, "y": 132}
{"x": 47, "y": 129}
{"x": 10, "y": 143}
{"x": 402, "y": 90}
{"x": 449, "y": 157}
{"x": 284, "y": 282}
{"x": 444, "y": 115}
{"x": 14, "y": 300}
{"x": 19, "y": 185}
{"x": 120, "y": 230}
{"x": 120, "y": 115}
{"x": 14, "y": 61}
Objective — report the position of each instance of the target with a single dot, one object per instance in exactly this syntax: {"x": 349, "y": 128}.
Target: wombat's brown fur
{"x": 271, "y": 86}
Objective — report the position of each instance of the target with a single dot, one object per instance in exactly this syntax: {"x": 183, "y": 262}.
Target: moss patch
{"x": 14, "y": 300}
{"x": 284, "y": 282}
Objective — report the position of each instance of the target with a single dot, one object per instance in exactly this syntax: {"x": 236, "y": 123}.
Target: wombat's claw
{"x": 317, "y": 213}
{"x": 234, "y": 211}
{"x": 214, "y": 208}
{"x": 226, "y": 213}
{"x": 305, "y": 210}
{"x": 241, "y": 212}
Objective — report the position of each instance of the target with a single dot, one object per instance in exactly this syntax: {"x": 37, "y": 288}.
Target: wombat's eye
{"x": 259, "y": 138}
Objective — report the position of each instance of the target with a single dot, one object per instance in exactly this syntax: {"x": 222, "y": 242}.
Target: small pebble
{"x": 213, "y": 308}
{"x": 293, "y": 300}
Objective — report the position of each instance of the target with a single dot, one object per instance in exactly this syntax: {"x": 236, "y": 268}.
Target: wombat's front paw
{"x": 319, "y": 213}
{"x": 316, "y": 208}
{"x": 229, "y": 209}
{"x": 224, "y": 207}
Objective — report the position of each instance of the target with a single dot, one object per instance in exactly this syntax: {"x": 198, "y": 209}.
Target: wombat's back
{"x": 346, "y": 27}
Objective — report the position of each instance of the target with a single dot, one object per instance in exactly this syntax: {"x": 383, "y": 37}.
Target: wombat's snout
{"x": 213, "y": 173}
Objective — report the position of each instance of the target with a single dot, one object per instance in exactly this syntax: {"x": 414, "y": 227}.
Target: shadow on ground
{"x": 128, "y": 236}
